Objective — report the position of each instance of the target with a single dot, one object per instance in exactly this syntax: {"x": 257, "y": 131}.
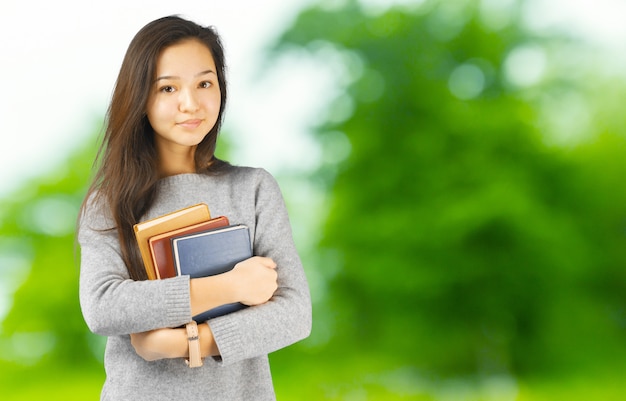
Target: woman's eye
{"x": 167, "y": 89}
{"x": 205, "y": 84}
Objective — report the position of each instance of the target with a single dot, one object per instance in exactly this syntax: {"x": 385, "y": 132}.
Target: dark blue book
{"x": 209, "y": 253}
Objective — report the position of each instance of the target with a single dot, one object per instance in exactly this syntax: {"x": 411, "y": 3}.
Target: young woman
{"x": 157, "y": 156}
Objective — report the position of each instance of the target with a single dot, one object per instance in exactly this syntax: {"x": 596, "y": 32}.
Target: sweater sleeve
{"x": 111, "y": 302}
{"x": 287, "y": 317}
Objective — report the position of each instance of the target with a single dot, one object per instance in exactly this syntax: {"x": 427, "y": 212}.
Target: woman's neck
{"x": 179, "y": 161}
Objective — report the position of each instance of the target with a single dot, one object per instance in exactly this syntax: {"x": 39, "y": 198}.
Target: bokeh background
{"x": 454, "y": 171}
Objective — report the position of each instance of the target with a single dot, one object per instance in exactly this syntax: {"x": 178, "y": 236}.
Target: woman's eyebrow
{"x": 177, "y": 77}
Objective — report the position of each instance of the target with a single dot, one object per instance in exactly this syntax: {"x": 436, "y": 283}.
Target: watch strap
{"x": 195, "y": 357}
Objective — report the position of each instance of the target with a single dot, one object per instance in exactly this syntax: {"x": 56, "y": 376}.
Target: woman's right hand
{"x": 254, "y": 280}
{"x": 251, "y": 282}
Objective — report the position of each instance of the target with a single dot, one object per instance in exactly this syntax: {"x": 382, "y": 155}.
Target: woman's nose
{"x": 187, "y": 101}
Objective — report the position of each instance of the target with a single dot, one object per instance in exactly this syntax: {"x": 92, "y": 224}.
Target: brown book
{"x": 161, "y": 245}
{"x": 180, "y": 218}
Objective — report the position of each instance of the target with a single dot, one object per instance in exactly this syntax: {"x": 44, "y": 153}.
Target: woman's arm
{"x": 286, "y": 317}
{"x": 112, "y": 303}
{"x": 172, "y": 343}
{"x": 251, "y": 282}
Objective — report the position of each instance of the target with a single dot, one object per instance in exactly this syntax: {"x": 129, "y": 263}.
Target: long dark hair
{"x": 126, "y": 175}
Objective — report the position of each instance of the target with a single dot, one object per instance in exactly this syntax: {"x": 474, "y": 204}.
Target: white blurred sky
{"x": 59, "y": 60}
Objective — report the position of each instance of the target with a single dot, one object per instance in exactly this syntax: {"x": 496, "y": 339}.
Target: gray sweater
{"x": 113, "y": 305}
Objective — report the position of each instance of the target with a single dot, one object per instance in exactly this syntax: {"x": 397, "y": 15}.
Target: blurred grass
{"x": 367, "y": 377}
{"x": 344, "y": 379}
{"x": 20, "y": 384}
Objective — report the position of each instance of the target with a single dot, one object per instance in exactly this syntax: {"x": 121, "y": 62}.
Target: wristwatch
{"x": 195, "y": 357}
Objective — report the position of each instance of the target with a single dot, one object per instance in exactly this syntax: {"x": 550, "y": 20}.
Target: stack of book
{"x": 190, "y": 242}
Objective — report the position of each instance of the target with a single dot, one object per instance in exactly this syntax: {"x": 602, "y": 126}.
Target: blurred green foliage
{"x": 465, "y": 254}
{"x": 43, "y": 338}
{"x": 461, "y": 244}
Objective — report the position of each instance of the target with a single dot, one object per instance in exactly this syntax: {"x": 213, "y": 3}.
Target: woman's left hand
{"x": 160, "y": 344}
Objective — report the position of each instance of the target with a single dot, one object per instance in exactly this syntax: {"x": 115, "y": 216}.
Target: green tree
{"x": 44, "y": 341}
{"x": 458, "y": 242}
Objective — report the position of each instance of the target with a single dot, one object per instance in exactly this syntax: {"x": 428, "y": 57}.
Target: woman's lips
{"x": 190, "y": 124}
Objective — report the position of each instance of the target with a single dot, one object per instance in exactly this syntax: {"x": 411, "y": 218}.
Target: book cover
{"x": 161, "y": 245}
{"x": 209, "y": 253}
{"x": 179, "y": 218}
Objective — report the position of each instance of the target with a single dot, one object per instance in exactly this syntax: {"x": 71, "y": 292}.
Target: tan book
{"x": 180, "y": 218}
{"x": 161, "y": 245}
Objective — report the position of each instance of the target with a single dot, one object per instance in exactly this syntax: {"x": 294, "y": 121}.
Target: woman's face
{"x": 184, "y": 100}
